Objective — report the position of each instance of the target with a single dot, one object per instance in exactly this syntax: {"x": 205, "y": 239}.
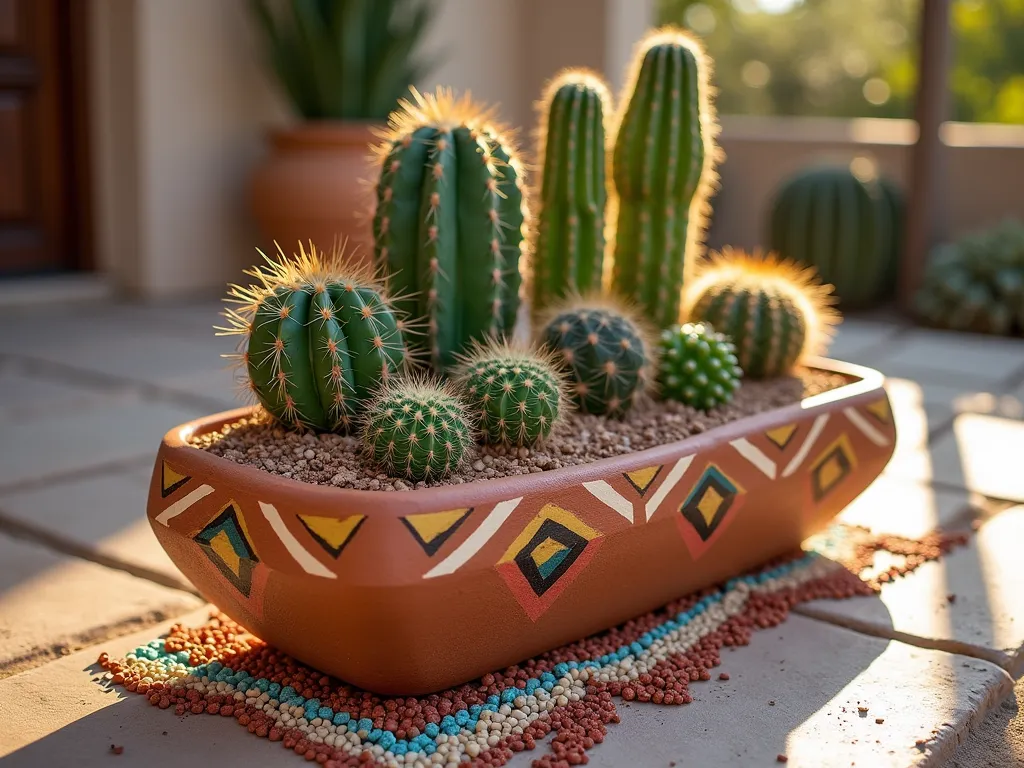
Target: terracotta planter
{"x": 411, "y": 592}
{"x": 316, "y": 184}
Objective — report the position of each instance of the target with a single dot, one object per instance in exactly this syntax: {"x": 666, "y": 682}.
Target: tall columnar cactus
{"x": 606, "y": 350}
{"x": 846, "y": 227}
{"x": 775, "y": 312}
{"x": 515, "y": 392}
{"x": 663, "y": 164}
{"x": 417, "y": 428}
{"x": 450, "y": 219}
{"x": 570, "y": 234}
{"x": 977, "y": 283}
{"x": 319, "y": 335}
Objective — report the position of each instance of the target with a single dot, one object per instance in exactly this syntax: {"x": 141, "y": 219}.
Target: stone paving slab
{"x": 906, "y": 508}
{"x": 50, "y": 602}
{"x": 981, "y": 453}
{"x": 972, "y": 601}
{"x": 112, "y": 431}
{"x": 953, "y": 358}
{"x": 856, "y": 339}
{"x": 26, "y": 395}
{"x": 104, "y": 513}
{"x": 816, "y": 674}
{"x": 999, "y": 741}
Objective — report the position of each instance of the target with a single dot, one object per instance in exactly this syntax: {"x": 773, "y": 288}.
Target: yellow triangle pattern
{"x": 221, "y": 544}
{"x": 781, "y": 435}
{"x": 332, "y": 533}
{"x": 642, "y": 478}
{"x": 880, "y": 408}
{"x": 430, "y": 525}
{"x": 171, "y": 479}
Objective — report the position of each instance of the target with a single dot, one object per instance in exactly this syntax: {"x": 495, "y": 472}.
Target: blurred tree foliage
{"x": 854, "y": 58}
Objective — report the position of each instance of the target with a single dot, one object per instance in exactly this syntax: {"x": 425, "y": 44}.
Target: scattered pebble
{"x": 879, "y": 720}
{"x": 781, "y": 759}
{"x": 117, "y": 749}
{"x": 338, "y": 460}
{"x": 723, "y": 676}
{"x": 951, "y": 599}
{"x": 862, "y": 709}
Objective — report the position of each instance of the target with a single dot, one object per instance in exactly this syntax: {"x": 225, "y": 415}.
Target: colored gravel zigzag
{"x": 220, "y": 669}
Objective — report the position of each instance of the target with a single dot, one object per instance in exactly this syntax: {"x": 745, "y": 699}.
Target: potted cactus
{"x": 421, "y": 495}
{"x": 343, "y": 65}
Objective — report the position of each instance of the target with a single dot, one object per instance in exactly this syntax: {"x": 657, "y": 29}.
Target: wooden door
{"x": 39, "y": 178}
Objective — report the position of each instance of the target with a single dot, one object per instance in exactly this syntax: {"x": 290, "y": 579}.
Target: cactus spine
{"x": 569, "y": 250}
{"x": 515, "y": 392}
{"x": 418, "y": 429}
{"x": 775, "y": 312}
{"x": 319, "y": 336}
{"x": 448, "y": 227}
{"x": 605, "y": 349}
{"x": 845, "y": 227}
{"x": 663, "y": 166}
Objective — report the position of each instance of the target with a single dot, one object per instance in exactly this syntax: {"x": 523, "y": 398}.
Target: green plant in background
{"x": 568, "y": 256}
{"x": 775, "y": 312}
{"x": 514, "y": 391}
{"x": 605, "y": 350}
{"x": 417, "y": 428}
{"x": 344, "y": 59}
{"x": 977, "y": 283}
{"x": 698, "y": 366}
{"x": 450, "y": 221}
{"x": 663, "y": 166}
{"x": 846, "y": 227}
{"x": 319, "y": 336}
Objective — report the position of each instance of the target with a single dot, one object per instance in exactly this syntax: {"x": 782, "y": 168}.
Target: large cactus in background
{"x": 846, "y": 227}
{"x": 450, "y": 218}
{"x": 568, "y": 256}
{"x": 318, "y": 337}
{"x": 663, "y": 166}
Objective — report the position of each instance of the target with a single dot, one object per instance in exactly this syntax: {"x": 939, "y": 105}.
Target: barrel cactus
{"x": 977, "y": 283}
{"x": 663, "y": 165}
{"x": 515, "y": 392}
{"x": 570, "y": 240}
{"x": 417, "y": 428}
{"x": 698, "y": 366}
{"x": 846, "y": 227}
{"x": 605, "y": 349}
{"x": 775, "y": 312}
{"x": 449, "y": 222}
{"x": 319, "y": 335}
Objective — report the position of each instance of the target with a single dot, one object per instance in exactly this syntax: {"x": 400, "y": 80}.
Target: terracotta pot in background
{"x": 316, "y": 183}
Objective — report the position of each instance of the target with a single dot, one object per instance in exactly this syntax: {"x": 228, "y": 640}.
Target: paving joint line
{"x": 82, "y": 473}
{"x": 26, "y": 531}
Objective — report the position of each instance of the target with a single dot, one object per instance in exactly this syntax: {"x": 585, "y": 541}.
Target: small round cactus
{"x": 775, "y": 312}
{"x": 319, "y": 335}
{"x": 605, "y": 349}
{"x": 418, "y": 429}
{"x": 698, "y": 366}
{"x": 515, "y": 392}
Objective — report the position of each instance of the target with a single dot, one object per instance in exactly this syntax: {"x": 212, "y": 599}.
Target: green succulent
{"x": 698, "y": 366}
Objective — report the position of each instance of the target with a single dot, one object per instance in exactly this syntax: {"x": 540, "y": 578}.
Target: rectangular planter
{"x": 410, "y": 592}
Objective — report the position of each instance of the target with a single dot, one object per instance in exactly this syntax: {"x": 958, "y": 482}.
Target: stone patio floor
{"x": 87, "y": 391}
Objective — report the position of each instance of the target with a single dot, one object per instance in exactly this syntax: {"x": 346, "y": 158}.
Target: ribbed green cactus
{"x": 418, "y": 429}
{"x": 604, "y": 348}
{"x": 515, "y": 392}
{"x": 568, "y": 256}
{"x": 450, "y": 220}
{"x": 847, "y": 228}
{"x": 698, "y": 366}
{"x": 319, "y": 335}
{"x": 775, "y": 312}
{"x": 977, "y": 283}
{"x": 663, "y": 166}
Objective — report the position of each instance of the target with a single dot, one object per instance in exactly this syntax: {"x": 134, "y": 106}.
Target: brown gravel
{"x": 330, "y": 459}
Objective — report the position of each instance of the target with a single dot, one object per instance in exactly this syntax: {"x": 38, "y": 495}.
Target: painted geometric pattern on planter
{"x": 836, "y": 463}
{"x": 331, "y": 533}
{"x": 546, "y": 556}
{"x": 227, "y": 544}
{"x": 709, "y": 507}
{"x": 432, "y": 529}
{"x": 170, "y": 479}
{"x": 643, "y": 479}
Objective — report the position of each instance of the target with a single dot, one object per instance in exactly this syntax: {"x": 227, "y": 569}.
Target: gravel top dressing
{"x": 329, "y": 459}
